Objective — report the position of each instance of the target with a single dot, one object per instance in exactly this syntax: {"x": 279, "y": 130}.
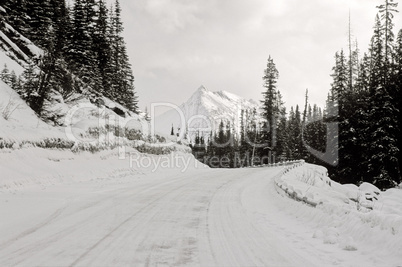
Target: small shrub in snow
{"x": 8, "y": 109}
{"x": 6, "y": 144}
{"x": 348, "y": 244}
{"x": 160, "y": 139}
{"x": 156, "y": 150}
{"x": 55, "y": 143}
{"x": 133, "y": 134}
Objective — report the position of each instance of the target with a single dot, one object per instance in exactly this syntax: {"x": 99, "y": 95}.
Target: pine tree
{"x": 62, "y": 26}
{"x": 220, "y": 140}
{"x": 198, "y": 148}
{"x": 386, "y": 10}
{"x": 210, "y": 148}
{"x": 80, "y": 53}
{"x": 294, "y": 148}
{"x": 30, "y": 83}
{"x": 350, "y": 62}
{"x": 314, "y": 133}
{"x": 5, "y": 75}
{"x": 41, "y": 27}
{"x": 242, "y": 141}
{"x": 17, "y": 12}
{"x": 383, "y": 164}
{"x": 102, "y": 47}
{"x": 122, "y": 85}
{"x": 172, "y": 131}
{"x": 14, "y": 81}
{"x": 270, "y": 109}
{"x": 297, "y": 135}
{"x": 281, "y": 140}
{"x": 397, "y": 92}
{"x": 339, "y": 86}
{"x": 377, "y": 68}
{"x": 303, "y": 150}
{"x": 363, "y": 80}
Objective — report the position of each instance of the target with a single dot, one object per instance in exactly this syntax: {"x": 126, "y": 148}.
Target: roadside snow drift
{"x": 351, "y": 217}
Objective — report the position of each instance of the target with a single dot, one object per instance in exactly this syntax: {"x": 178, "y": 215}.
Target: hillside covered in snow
{"x": 48, "y": 101}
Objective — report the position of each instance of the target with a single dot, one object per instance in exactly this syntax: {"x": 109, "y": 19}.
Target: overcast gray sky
{"x": 177, "y": 45}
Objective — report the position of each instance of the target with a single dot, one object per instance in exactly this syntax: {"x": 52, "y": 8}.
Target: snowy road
{"x": 204, "y": 218}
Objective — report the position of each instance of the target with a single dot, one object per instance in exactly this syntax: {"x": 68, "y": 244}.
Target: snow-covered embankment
{"x": 349, "y": 216}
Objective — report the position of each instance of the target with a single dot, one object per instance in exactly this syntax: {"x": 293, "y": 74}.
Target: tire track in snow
{"x": 36, "y": 246}
{"x": 115, "y": 229}
{"x": 148, "y": 217}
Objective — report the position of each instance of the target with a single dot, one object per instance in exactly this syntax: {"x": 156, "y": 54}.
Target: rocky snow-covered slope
{"x": 203, "y": 112}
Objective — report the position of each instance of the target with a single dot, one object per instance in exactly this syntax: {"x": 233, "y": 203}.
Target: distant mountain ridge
{"x": 203, "y": 112}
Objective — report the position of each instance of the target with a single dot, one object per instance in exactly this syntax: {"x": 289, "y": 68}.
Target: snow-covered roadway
{"x": 204, "y": 217}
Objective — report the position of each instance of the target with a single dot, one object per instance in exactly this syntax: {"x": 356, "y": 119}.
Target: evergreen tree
{"x": 221, "y": 141}
{"x": 62, "y": 26}
{"x": 172, "y": 131}
{"x": 242, "y": 141}
{"x": 397, "y": 92}
{"x": 270, "y": 108}
{"x": 294, "y": 138}
{"x": 383, "y": 163}
{"x": 122, "y": 84}
{"x": 14, "y": 81}
{"x": 80, "y": 54}
{"x": 363, "y": 80}
{"x": 102, "y": 48}
{"x": 198, "y": 148}
{"x": 377, "y": 68}
{"x": 30, "y": 83}
{"x": 386, "y": 10}
{"x": 303, "y": 151}
{"x": 5, "y": 75}
{"x": 281, "y": 134}
{"x": 312, "y": 132}
{"x": 41, "y": 27}
{"x": 17, "y": 12}
{"x": 297, "y": 135}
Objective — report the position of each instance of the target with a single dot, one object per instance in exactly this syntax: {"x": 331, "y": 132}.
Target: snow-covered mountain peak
{"x": 204, "y": 110}
{"x": 202, "y": 89}
{"x": 200, "y": 93}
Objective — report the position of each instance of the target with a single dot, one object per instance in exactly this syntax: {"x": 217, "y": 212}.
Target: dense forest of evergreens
{"x": 83, "y": 49}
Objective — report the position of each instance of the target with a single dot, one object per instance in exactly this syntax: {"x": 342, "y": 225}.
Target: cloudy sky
{"x": 175, "y": 46}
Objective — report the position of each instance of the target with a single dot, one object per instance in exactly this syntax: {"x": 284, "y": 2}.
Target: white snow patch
{"x": 350, "y": 216}
{"x": 11, "y": 64}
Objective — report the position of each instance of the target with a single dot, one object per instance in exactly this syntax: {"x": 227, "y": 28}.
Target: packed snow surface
{"x": 65, "y": 209}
